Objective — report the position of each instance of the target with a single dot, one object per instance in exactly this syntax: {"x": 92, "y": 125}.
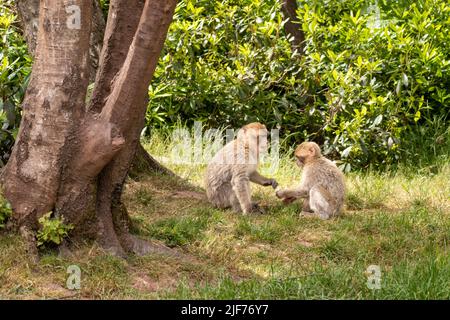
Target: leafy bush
{"x": 366, "y": 77}
{"x": 5, "y": 211}
{"x": 53, "y": 230}
{"x": 380, "y": 73}
{"x": 224, "y": 62}
{"x": 15, "y": 67}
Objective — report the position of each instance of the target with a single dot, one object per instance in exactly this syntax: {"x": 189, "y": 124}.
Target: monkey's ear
{"x": 312, "y": 151}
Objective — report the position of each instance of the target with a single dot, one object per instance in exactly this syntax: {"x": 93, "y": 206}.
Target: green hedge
{"x": 15, "y": 67}
{"x": 368, "y": 76}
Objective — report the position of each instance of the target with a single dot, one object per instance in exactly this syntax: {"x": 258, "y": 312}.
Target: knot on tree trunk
{"x": 99, "y": 141}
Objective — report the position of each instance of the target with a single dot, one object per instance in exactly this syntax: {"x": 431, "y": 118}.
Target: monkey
{"x": 230, "y": 171}
{"x": 322, "y": 184}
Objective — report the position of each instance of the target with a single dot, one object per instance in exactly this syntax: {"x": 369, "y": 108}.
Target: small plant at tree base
{"x": 53, "y": 230}
{"x": 5, "y": 211}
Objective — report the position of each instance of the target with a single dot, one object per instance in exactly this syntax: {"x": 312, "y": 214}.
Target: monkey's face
{"x": 301, "y": 154}
{"x": 300, "y": 160}
{"x": 305, "y": 152}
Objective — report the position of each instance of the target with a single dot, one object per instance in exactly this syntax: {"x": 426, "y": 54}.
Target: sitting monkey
{"x": 229, "y": 173}
{"x": 322, "y": 185}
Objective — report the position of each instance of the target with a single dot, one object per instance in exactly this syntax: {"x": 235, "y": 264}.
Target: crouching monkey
{"x": 230, "y": 171}
{"x": 322, "y": 184}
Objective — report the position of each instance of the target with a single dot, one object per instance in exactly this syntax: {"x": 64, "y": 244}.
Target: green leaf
{"x": 417, "y": 116}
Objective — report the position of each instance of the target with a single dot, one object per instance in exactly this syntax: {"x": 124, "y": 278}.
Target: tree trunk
{"x": 143, "y": 162}
{"x": 292, "y": 27}
{"x": 70, "y": 158}
{"x": 28, "y": 11}
{"x": 53, "y": 106}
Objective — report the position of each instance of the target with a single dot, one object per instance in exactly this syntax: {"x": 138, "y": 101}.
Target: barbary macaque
{"x": 322, "y": 184}
{"x": 230, "y": 171}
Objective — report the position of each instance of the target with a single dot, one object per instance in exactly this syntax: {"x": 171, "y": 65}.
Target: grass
{"x": 399, "y": 221}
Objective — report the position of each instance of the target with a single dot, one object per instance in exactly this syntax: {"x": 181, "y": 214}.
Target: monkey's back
{"x": 218, "y": 175}
{"x": 327, "y": 175}
{"x": 230, "y": 161}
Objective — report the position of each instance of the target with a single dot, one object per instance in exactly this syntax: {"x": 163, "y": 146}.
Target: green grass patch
{"x": 397, "y": 220}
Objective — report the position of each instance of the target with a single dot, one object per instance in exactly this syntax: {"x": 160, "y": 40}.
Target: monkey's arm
{"x": 295, "y": 193}
{"x": 241, "y": 187}
{"x": 255, "y": 177}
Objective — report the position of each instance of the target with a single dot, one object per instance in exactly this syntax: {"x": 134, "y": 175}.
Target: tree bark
{"x": 53, "y": 104}
{"x": 134, "y": 76}
{"x": 72, "y": 159}
{"x": 28, "y": 11}
{"x": 120, "y": 40}
{"x": 143, "y": 162}
{"x": 292, "y": 27}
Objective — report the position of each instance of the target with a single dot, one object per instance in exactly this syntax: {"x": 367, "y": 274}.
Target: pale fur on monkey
{"x": 231, "y": 170}
{"x": 322, "y": 184}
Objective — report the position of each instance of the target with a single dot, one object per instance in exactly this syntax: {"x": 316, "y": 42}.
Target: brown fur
{"x": 229, "y": 173}
{"x": 322, "y": 185}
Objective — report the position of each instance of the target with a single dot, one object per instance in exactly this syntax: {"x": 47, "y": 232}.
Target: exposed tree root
{"x": 31, "y": 244}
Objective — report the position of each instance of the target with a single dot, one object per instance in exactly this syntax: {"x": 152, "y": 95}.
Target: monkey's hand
{"x": 271, "y": 182}
{"x": 274, "y": 184}
{"x": 279, "y": 193}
